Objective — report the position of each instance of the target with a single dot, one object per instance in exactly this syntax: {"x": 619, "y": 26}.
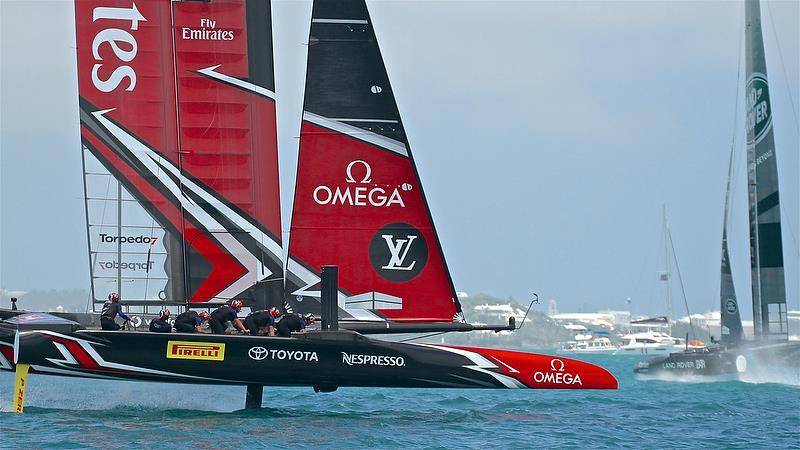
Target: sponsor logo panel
{"x": 203, "y": 351}
{"x": 398, "y": 252}
{"x": 19, "y": 399}
{"x": 206, "y": 31}
{"x": 359, "y": 190}
{"x": 145, "y": 266}
{"x": 698, "y": 364}
{"x": 140, "y": 239}
{"x": 261, "y": 353}
{"x": 117, "y": 40}
{"x": 558, "y": 374}
{"x": 372, "y": 360}
{"x": 759, "y": 110}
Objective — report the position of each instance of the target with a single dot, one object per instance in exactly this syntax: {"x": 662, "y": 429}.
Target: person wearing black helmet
{"x": 227, "y": 313}
{"x": 262, "y": 322}
{"x": 112, "y": 309}
{"x": 294, "y": 323}
{"x": 191, "y": 321}
{"x": 161, "y": 325}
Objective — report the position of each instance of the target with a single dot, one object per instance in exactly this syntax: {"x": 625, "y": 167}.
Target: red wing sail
{"x": 177, "y": 107}
{"x": 359, "y": 203}
{"x": 229, "y": 144}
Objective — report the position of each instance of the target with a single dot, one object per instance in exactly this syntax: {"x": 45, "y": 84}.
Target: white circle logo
{"x": 257, "y": 353}
{"x": 741, "y": 364}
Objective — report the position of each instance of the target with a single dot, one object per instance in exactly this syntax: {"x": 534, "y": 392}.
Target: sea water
{"x": 643, "y": 413}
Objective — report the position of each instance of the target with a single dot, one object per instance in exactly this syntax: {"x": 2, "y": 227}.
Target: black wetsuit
{"x": 110, "y": 312}
{"x": 289, "y": 323}
{"x": 186, "y": 322}
{"x": 258, "y": 319}
{"x": 160, "y": 326}
{"x": 218, "y": 318}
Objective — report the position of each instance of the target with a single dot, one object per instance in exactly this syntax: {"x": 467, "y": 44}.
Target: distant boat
{"x": 595, "y": 345}
{"x": 586, "y": 341}
{"x": 771, "y": 330}
{"x": 652, "y": 341}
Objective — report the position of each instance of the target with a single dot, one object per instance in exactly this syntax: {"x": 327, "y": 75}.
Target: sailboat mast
{"x": 667, "y": 269}
{"x": 766, "y": 248}
{"x": 119, "y": 241}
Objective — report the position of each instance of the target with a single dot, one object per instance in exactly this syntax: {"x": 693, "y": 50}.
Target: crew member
{"x": 191, "y": 321}
{"x": 262, "y": 322}
{"x": 161, "y": 325}
{"x": 112, "y": 308}
{"x": 294, "y": 322}
{"x": 227, "y": 313}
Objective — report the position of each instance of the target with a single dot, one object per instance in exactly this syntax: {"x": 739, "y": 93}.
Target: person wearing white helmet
{"x": 227, "y": 313}
{"x": 112, "y": 309}
{"x": 161, "y": 325}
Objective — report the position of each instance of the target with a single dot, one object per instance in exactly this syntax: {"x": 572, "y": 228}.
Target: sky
{"x": 548, "y": 135}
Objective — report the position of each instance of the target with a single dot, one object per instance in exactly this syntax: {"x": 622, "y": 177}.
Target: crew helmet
{"x": 113, "y": 297}
{"x": 163, "y": 314}
{"x": 203, "y": 315}
{"x": 274, "y": 312}
{"x": 309, "y": 318}
{"x": 237, "y": 304}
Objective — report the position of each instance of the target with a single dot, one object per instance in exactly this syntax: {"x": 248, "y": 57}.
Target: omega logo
{"x": 365, "y": 193}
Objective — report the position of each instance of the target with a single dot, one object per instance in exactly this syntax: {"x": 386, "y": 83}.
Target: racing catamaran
{"x": 771, "y": 345}
{"x": 177, "y": 112}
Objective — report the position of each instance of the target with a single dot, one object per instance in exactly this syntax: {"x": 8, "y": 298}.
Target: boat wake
{"x": 687, "y": 378}
{"x": 773, "y": 377}
{"x": 772, "y": 374}
{"x": 764, "y": 374}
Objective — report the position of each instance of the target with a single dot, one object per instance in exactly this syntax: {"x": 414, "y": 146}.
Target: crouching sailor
{"x": 294, "y": 322}
{"x": 227, "y": 313}
{"x": 191, "y": 322}
{"x": 161, "y": 325}
{"x": 262, "y": 322}
{"x": 112, "y": 308}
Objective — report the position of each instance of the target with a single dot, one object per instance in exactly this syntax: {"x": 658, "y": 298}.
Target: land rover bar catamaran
{"x": 771, "y": 348}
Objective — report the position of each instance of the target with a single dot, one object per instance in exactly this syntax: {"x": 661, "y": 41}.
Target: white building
{"x": 595, "y": 319}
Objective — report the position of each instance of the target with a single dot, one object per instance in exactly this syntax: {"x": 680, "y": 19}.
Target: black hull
{"x": 324, "y": 360}
{"x": 724, "y": 361}
{"x": 690, "y": 363}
